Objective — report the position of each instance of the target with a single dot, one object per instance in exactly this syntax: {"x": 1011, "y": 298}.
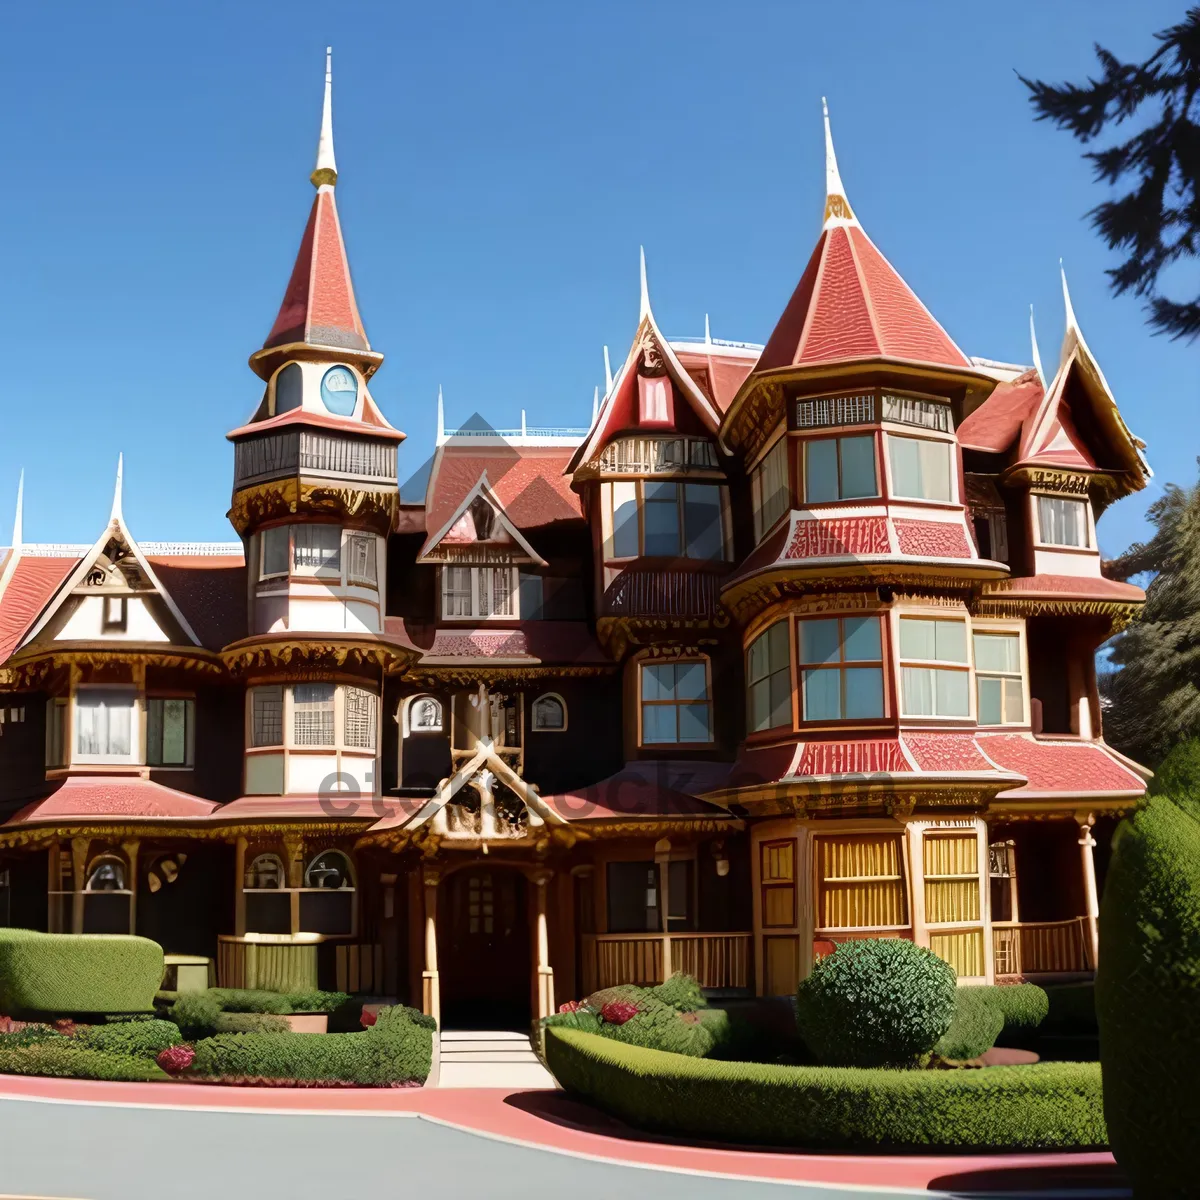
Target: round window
{"x": 330, "y": 869}
{"x": 339, "y": 391}
{"x": 289, "y": 388}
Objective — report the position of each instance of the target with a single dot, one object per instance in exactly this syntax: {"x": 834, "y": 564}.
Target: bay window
{"x": 266, "y": 716}
{"x": 312, "y": 714}
{"x": 999, "y": 687}
{"x": 275, "y": 548}
{"x": 921, "y": 468}
{"x": 769, "y": 679}
{"x": 360, "y": 559}
{"x": 105, "y": 727}
{"x": 839, "y": 468}
{"x": 769, "y": 488}
{"x": 841, "y": 668}
{"x": 317, "y": 549}
{"x": 322, "y": 715}
{"x": 1062, "y": 521}
{"x": 674, "y": 702}
{"x": 934, "y": 668}
{"x": 479, "y": 592}
{"x": 666, "y": 519}
{"x": 170, "y": 731}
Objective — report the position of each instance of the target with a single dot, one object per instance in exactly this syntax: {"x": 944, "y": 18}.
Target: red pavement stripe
{"x": 487, "y": 1112}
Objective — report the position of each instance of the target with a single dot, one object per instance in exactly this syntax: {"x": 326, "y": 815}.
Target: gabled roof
{"x": 996, "y": 424}
{"x": 719, "y": 368}
{"x": 619, "y": 410}
{"x": 459, "y": 528}
{"x": 851, "y": 303}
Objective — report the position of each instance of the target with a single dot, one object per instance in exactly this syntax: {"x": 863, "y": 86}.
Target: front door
{"x": 483, "y": 949}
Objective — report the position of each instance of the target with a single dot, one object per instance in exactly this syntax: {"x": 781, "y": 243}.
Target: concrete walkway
{"x": 490, "y": 1059}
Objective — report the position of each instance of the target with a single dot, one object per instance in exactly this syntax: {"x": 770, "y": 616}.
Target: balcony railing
{"x": 715, "y": 960}
{"x": 304, "y": 451}
{"x": 1042, "y": 947}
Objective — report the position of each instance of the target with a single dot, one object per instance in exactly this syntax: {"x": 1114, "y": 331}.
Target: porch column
{"x": 1087, "y": 847}
{"x": 79, "y": 853}
{"x": 239, "y": 887}
{"x": 293, "y": 851}
{"x": 131, "y": 855}
{"x": 431, "y": 1000}
{"x": 54, "y": 911}
{"x": 545, "y": 972}
{"x": 662, "y": 858}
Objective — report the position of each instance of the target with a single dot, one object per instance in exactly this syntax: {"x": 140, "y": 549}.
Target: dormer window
{"x": 661, "y": 519}
{"x": 289, "y": 388}
{"x": 1063, "y": 522}
{"x": 339, "y": 391}
{"x": 479, "y": 592}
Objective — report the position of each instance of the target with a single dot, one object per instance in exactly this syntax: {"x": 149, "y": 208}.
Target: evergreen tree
{"x": 1157, "y": 221}
{"x": 1152, "y": 697}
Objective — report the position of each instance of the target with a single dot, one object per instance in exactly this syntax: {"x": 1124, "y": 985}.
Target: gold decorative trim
{"x": 281, "y": 498}
{"x": 315, "y": 654}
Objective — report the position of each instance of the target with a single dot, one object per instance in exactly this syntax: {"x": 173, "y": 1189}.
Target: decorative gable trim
{"x": 523, "y": 551}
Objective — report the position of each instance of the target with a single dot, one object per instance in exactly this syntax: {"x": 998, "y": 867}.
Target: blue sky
{"x": 500, "y": 164}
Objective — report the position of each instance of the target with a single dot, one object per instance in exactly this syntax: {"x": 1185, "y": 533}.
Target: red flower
{"x": 176, "y": 1059}
{"x": 367, "y": 1018}
{"x": 617, "y": 1012}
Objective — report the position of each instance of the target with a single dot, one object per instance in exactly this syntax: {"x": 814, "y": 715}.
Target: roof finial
{"x": 837, "y": 207}
{"x": 325, "y": 171}
{"x": 644, "y": 310}
{"x": 707, "y": 331}
{"x": 1072, "y": 323}
{"x": 18, "y": 518}
{"x": 1037, "y": 358}
{"x": 607, "y": 373}
{"x": 441, "y": 429}
{"x": 116, "y": 514}
{"x": 595, "y": 404}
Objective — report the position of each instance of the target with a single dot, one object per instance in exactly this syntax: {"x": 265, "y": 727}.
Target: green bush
{"x": 875, "y": 1003}
{"x": 401, "y": 1015}
{"x": 681, "y": 992}
{"x": 1072, "y": 1008}
{"x": 137, "y": 1039}
{"x": 196, "y": 1014}
{"x": 1148, "y": 993}
{"x": 68, "y": 1058}
{"x": 396, "y": 1050}
{"x": 31, "y": 1035}
{"x": 1024, "y": 1005}
{"x": 250, "y": 1022}
{"x": 976, "y": 1025}
{"x": 77, "y": 973}
{"x": 1048, "y": 1106}
{"x": 247, "y": 1000}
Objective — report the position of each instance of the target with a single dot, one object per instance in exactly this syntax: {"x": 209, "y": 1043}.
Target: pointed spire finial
{"x": 18, "y": 518}
{"x": 707, "y": 331}
{"x": 325, "y": 171}
{"x": 837, "y": 206}
{"x": 441, "y": 429}
{"x": 116, "y": 514}
{"x": 1037, "y": 358}
{"x": 608, "y": 380}
{"x": 1072, "y": 323}
{"x": 644, "y": 308}
{"x": 595, "y": 404}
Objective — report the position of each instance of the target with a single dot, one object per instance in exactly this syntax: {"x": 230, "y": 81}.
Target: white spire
{"x": 18, "y": 517}
{"x": 523, "y": 425}
{"x": 1072, "y": 324}
{"x": 1037, "y": 358}
{"x": 837, "y": 206}
{"x": 116, "y": 514}
{"x": 595, "y": 404}
{"x": 644, "y": 310}
{"x": 707, "y": 331}
{"x": 325, "y": 171}
{"x": 441, "y": 429}
{"x": 607, "y": 373}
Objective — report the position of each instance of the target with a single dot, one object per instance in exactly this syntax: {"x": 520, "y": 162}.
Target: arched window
{"x": 339, "y": 391}
{"x": 289, "y": 388}
{"x": 423, "y": 715}
{"x": 549, "y": 713}
{"x": 329, "y": 869}
{"x": 265, "y": 873}
{"x": 106, "y": 874}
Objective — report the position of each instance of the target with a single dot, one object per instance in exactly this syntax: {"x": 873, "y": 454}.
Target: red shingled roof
{"x": 645, "y": 789}
{"x": 717, "y": 375}
{"x": 1059, "y": 767}
{"x": 33, "y": 583}
{"x": 319, "y": 306}
{"x": 1065, "y": 587}
{"x": 118, "y": 798}
{"x": 210, "y": 592}
{"x": 851, "y": 303}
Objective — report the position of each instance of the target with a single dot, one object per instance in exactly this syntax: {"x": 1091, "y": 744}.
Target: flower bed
{"x": 1048, "y": 1106}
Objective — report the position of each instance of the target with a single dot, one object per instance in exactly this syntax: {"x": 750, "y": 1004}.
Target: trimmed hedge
{"x": 138, "y": 1039}
{"x": 68, "y": 1058}
{"x": 77, "y": 972}
{"x": 1148, "y": 994}
{"x": 1048, "y": 1106}
{"x": 396, "y": 1050}
{"x": 976, "y": 1025}
{"x": 878, "y": 1002}
{"x": 250, "y": 1022}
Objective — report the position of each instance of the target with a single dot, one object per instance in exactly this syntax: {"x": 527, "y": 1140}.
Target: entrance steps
{"x": 489, "y": 1058}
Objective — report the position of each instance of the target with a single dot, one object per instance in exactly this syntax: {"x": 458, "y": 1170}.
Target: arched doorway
{"x": 484, "y": 949}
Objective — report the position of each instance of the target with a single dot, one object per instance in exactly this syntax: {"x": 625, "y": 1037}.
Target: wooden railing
{"x": 270, "y": 962}
{"x": 1042, "y": 947}
{"x": 716, "y": 960}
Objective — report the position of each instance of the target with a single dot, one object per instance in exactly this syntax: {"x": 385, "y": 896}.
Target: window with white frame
{"x": 839, "y": 468}
{"x": 549, "y": 713}
{"x": 666, "y": 519}
{"x": 999, "y": 685}
{"x": 479, "y": 592}
{"x": 841, "y": 668}
{"x": 360, "y": 719}
{"x": 170, "y": 731}
{"x": 317, "y": 549}
{"x": 266, "y": 716}
{"x": 312, "y": 714}
{"x": 360, "y": 559}
{"x": 675, "y": 706}
{"x": 275, "y": 546}
{"x": 922, "y": 469}
{"x": 314, "y": 720}
{"x": 769, "y": 488}
{"x": 934, "y": 667}
{"x": 105, "y": 725}
{"x": 1062, "y": 521}
{"x": 769, "y": 679}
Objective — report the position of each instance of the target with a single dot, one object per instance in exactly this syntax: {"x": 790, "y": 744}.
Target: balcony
{"x": 307, "y": 452}
{"x": 1031, "y": 949}
{"x": 715, "y": 960}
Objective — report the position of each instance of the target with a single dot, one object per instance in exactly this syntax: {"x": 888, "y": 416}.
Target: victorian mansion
{"x": 794, "y": 644}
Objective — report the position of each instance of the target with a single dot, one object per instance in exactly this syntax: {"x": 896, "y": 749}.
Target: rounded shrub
{"x": 681, "y": 992}
{"x": 976, "y": 1026}
{"x": 876, "y": 1003}
{"x": 140, "y": 1039}
{"x": 1148, "y": 990}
